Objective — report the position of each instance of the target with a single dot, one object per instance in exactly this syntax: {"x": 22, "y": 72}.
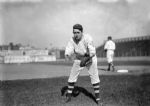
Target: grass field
{"x": 116, "y": 90}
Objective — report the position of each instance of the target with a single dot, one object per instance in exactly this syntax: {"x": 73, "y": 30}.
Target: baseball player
{"x": 81, "y": 45}
{"x": 109, "y": 48}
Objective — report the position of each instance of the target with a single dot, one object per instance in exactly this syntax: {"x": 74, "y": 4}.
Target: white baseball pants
{"x": 93, "y": 71}
{"x": 110, "y": 55}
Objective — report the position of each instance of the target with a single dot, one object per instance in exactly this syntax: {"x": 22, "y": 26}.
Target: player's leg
{"x": 69, "y": 91}
{"x": 93, "y": 72}
{"x": 111, "y": 61}
{"x": 108, "y": 60}
{"x": 96, "y": 87}
{"x": 112, "y": 65}
{"x": 72, "y": 79}
{"x": 109, "y": 66}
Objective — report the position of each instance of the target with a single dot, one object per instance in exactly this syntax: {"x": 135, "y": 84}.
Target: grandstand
{"x": 129, "y": 47}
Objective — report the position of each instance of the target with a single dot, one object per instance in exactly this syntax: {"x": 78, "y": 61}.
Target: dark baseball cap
{"x": 78, "y": 26}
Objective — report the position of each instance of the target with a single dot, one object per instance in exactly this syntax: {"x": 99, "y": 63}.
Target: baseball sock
{"x": 112, "y": 65}
{"x": 109, "y": 64}
{"x": 96, "y": 90}
{"x": 70, "y": 88}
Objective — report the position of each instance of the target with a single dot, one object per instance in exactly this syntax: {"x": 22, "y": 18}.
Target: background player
{"x": 81, "y": 45}
{"x": 109, "y": 48}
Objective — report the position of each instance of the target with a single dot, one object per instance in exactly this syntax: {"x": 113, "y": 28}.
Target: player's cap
{"x": 78, "y": 26}
{"x": 109, "y": 37}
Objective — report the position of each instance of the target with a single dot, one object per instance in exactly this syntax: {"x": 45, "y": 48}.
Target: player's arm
{"x": 114, "y": 46}
{"x": 69, "y": 51}
{"x": 91, "y": 47}
{"x": 105, "y": 46}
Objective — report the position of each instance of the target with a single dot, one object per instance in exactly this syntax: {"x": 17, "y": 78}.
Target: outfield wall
{"x": 23, "y": 52}
{"x": 28, "y": 59}
{"x": 11, "y": 52}
{"x": 143, "y": 60}
{"x": 26, "y": 56}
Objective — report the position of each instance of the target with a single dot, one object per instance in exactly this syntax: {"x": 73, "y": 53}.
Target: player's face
{"x": 77, "y": 34}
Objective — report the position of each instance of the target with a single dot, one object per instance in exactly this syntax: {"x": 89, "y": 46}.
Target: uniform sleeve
{"x": 106, "y": 45}
{"x": 69, "y": 49}
{"x": 114, "y": 46}
{"x": 91, "y": 47}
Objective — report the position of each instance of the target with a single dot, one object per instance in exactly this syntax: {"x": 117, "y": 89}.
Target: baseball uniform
{"x": 84, "y": 46}
{"x": 110, "y": 47}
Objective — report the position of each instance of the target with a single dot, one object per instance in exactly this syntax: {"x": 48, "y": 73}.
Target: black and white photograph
{"x": 74, "y": 53}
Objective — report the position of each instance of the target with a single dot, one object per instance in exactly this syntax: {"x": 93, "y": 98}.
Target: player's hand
{"x": 86, "y": 61}
{"x": 67, "y": 58}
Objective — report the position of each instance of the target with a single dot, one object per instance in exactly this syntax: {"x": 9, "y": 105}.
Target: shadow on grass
{"x": 76, "y": 91}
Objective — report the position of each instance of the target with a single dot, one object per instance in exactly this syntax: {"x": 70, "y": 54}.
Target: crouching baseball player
{"x": 81, "y": 45}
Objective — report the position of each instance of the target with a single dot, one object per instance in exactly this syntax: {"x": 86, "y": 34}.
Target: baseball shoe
{"x": 113, "y": 69}
{"x": 108, "y": 69}
{"x": 68, "y": 98}
{"x": 97, "y": 100}
{"x": 99, "y": 103}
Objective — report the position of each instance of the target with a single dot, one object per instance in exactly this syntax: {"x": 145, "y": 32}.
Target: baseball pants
{"x": 110, "y": 55}
{"x": 93, "y": 71}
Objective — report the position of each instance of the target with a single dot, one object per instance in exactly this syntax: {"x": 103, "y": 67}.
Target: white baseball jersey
{"x": 85, "y": 45}
{"x": 110, "y": 47}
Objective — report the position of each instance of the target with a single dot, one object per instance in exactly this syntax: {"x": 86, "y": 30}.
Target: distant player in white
{"x": 109, "y": 48}
{"x": 80, "y": 45}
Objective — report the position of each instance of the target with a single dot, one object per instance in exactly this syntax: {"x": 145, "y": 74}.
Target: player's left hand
{"x": 86, "y": 61}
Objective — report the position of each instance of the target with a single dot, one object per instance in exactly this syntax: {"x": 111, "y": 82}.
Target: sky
{"x": 48, "y": 23}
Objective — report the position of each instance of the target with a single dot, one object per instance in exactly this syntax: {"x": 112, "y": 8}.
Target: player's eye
{"x": 76, "y": 32}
